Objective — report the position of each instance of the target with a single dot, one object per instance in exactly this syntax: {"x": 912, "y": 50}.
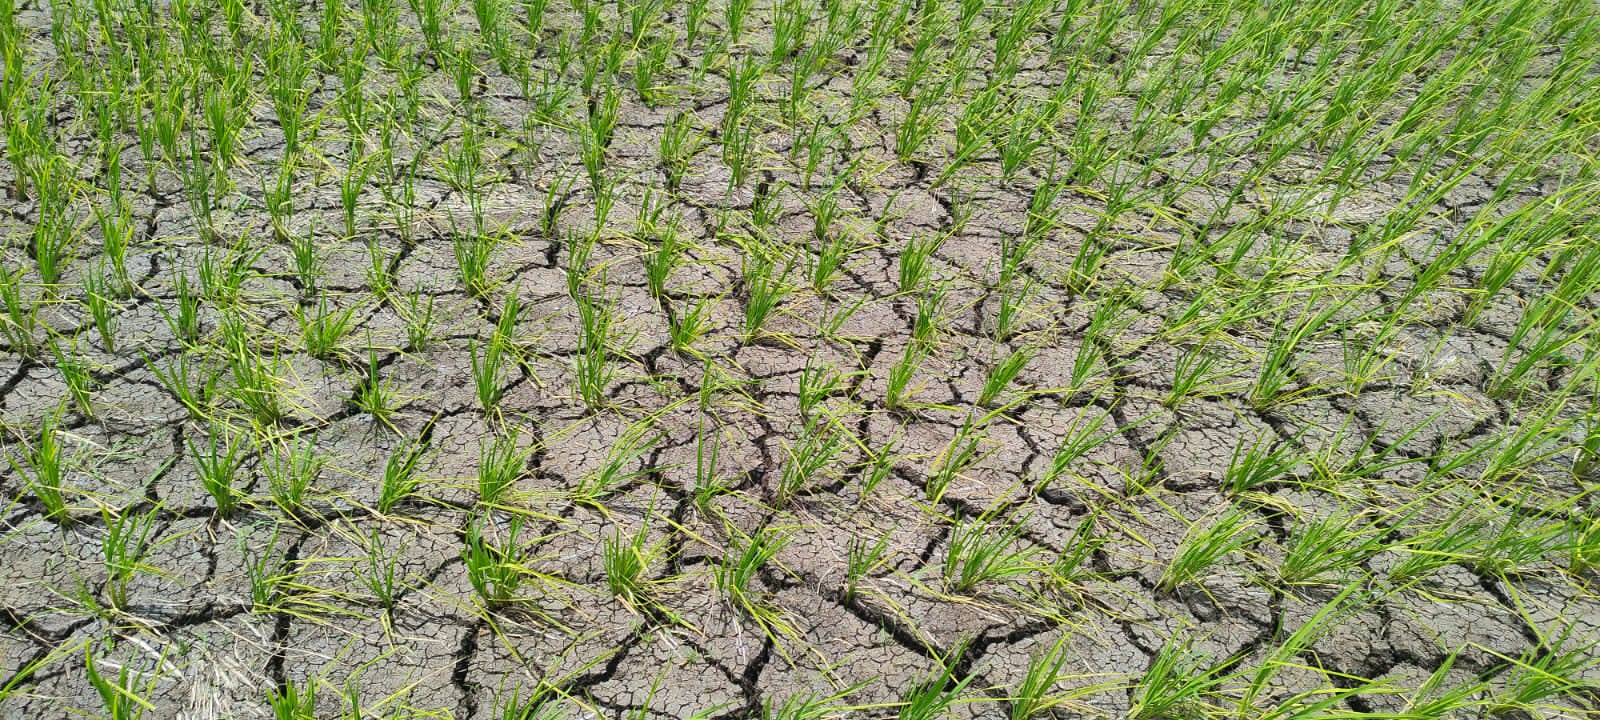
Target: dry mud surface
{"x": 1234, "y": 332}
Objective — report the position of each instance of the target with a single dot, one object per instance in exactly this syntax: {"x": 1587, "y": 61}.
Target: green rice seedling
{"x": 1201, "y": 548}
{"x": 920, "y": 123}
{"x": 1455, "y": 539}
{"x": 897, "y": 386}
{"x": 766, "y": 284}
{"x": 689, "y": 324}
{"x": 677, "y": 143}
{"x": 1541, "y": 335}
{"x": 123, "y": 550}
{"x": 474, "y": 252}
{"x": 401, "y": 477}
{"x": 635, "y": 442}
{"x": 378, "y": 272}
{"x": 741, "y": 565}
{"x": 627, "y": 560}
{"x": 733, "y": 17}
{"x": 935, "y": 695}
{"x": 97, "y": 299}
{"x": 55, "y": 237}
{"x": 375, "y": 396}
{"x": 1084, "y": 271}
{"x": 1003, "y": 372}
{"x": 914, "y": 266}
{"x": 931, "y": 309}
{"x": 495, "y": 569}
{"x": 258, "y": 382}
{"x": 661, "y": 259}
{"x": 1196, "y": 375}
{"x": 1176, "y": 684}
{"x": 1329, "y": 546}
{"x": 1553, "y": 667}
{"x": 960, "y": 455}
{"x": 44, "y": 466}
{"x": 293, "y": 701}
{"x": 76, "y": 374}
{"x": 380, "y": 572}
{"x": 985, "y": 549}
{"x": 877, "y": 467}
{"x": 292, "y": 472}
{"x": 486, "y": 361}
{"x": 592, "y": 366}
{"x": 323, "y": 330}
{"x": 1083, "y": 437}
{"x": 538, "y": 705}
{"x": 193, "y": 389}
{"x": 1032, "y": 697}
{"x": 816, "y": 383}
{"x": 419, "y": 316}
{"x": 217, "y": 463}
{"x": 116, "y": 237}
{"x": 1517, "y": 540}
{"x": 862, "y": 560}
{"x": 351, "y": 183}
{"x": 1266, "y": 460}
{"x": 21, "y": 321}
{"x": 817, "y": 447}
{"x": 122, "y": 698}
{"x": 500, "y": 463}
{"x": 830, "y": 261}
{"x": 223, "y": 276}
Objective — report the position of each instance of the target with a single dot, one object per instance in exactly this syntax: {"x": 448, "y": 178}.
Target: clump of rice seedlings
{"x": 1033, "y": 696}
{"x": 293, "y": 701}
{"x": 473, "y": 253}
{"x": 766, "y": 284}
{"x": 1266, "y": 459}
{"x": 897, "y": 386}
{"x": 818, "y": 446}
{"x": 500, "y": 463}
{"x": 1452, "y": 540}
{"x": 75, "y": 372}
{"x": 1555, "y": 666}
{"x": 1202, "y": 547}
{"x": 592, "y": 366}
{"x": 915, "y": 261}
{"x": 418, "y": 314}
{"x": 931, "y": 309}
{"x": 627, "y": 560}
{"x": 1083, "y": 437}
{"x": 495, "y": 564}
{"x": 401, "y": 479}
{"x": 1328, "y": 546}
{"x": 43, "y": 466}
{"x": 677, "y": 143}
{"x": 960, "y": 455}
{"x": 216, "y": 462}
{"x": 985, "y": 549}
{"x": 1001, "y": 375}
{"x": 935, "y": 695}
{"x": 126, "y": 543}
{"x": 861, "y": 559}
{"x": 1195, "y": 376}
{"x": 20, "y": 325}
{"x": 291, "y": 473}
{"x": 739, "y": 569}
{"x": 1178, "y": 683}
{"x": 380, "y": 572}
{"x": 487, "y": 359}
{"x": 97, "y": 299}
{"x": 375, "y": 395}
{"x": 323, "y": 329}
{"x": 689, "y": 324}
{"x": 124, "y": 697}
{"x": 662, "y": 258}
{"x": 633, "y": 444}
